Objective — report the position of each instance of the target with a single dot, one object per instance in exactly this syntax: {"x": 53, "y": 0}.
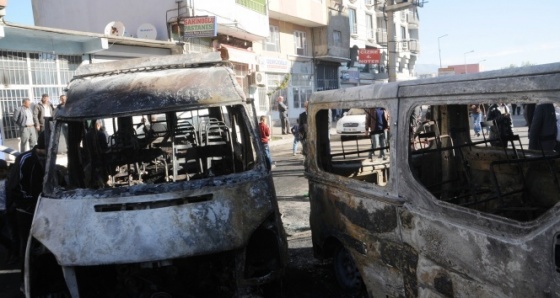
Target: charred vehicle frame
{"x": 165, "y": 190}
{"x": 426, "y": 208}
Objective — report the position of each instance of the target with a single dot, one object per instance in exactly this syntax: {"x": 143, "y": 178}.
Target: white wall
{"x": 93, "y": 16}
{"x": 228, "y": 12}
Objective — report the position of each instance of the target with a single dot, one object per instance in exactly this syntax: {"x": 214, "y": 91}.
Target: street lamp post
{"x": 439, "y": 50}
{"x": 465, "y": 56}
{"x": 479, "y": 63}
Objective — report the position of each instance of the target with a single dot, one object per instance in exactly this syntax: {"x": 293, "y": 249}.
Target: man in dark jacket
{"x": 303, "y": 129}
{"x": 24, "y": 185}
{"x": 377, "y": 127}
{"x": 42, "y": 110}
{"x": 283, "y": 113}
{"x": 542, "y": 133}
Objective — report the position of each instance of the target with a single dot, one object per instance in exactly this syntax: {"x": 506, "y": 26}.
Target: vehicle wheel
{"x": 346, "y": 272}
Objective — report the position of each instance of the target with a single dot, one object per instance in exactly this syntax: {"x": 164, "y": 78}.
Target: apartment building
{"x": 288, "y": 56}
{"x": 369, "y": 23}
{"x": 278, "y": 47}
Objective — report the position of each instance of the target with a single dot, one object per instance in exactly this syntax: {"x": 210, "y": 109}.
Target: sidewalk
{"x": 278, "y": 138}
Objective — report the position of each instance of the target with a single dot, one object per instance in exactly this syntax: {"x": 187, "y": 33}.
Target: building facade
{"x": 369, "y": 24}
{"x": 234, "y": 20}
{"x": 286, "y": 56}
{"x": 278, "y": 47}
{"x": 37, "y": 60}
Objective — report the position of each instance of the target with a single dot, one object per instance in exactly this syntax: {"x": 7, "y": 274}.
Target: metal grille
{"x": 43, "y": 68}
{"x": 263, "y": 106}
{"x": 13, "y": 66}
{"x": 67, "y": 66}
{"x": 29, "y": 75}
{"x": 327, "y": 77}
{"x": 255, "y": 5}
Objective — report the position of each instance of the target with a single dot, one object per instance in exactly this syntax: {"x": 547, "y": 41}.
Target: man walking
{"x": 42, "y": 110}
{"x": 302, "y": 127}
{"x": 283, "y": 110}
{"x": 60, "y": 107}
{"x": 377, "y": 127}
{"x": 23, "y": 117}
{"x": 264, "y": 131}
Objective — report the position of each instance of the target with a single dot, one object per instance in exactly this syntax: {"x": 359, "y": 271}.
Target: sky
{"x": 499, "y": 32}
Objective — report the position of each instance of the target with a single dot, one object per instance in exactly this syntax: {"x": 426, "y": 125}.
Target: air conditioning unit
{"x": 258, "y": 78}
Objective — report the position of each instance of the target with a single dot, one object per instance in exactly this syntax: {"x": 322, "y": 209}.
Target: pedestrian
{"x": 96, "y": 146}
{"x": 6, "y": 227}
{"x": 264, "y": 131}
{"x": 61, "y": 103}
{"x": 42, "y": 109}
{"x": 64, "y": 128}
{"x": 514, "y": 109}
{"x": 295, "y": 133}
{"x": 377, "y": 127}
{"x": 477, "y": 114}
{"x": 23, "y": 117}
{"x": 23, "y": 187}
{"x": 501, "y": 131}
{"x": 283, "y": 113}
{"x": 528, "y": 111}
{"x": 542, "y": 134}
{"x": 302, "y": 128}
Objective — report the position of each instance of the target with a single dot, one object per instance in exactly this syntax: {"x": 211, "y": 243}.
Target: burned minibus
{"x": 165, "y": 190}
{"x": 457, "y": 197}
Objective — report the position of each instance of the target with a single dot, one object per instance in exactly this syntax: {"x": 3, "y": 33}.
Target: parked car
{"x": 353, "y": 122}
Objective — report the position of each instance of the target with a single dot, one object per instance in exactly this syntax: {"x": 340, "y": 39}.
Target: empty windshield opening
{"x": 154, "y": 148}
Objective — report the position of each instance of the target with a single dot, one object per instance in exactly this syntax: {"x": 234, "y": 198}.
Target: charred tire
{"x": 346, "y": 272}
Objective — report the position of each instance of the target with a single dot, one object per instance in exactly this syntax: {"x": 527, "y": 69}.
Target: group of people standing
{"x": 31, "y": 120}
{"x": 542, "y": 120}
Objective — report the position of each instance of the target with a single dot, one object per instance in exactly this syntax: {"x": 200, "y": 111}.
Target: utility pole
{"x": 392, "y": 34}
{"x": 439, "y": 50}
{"x": 465, "y": 55}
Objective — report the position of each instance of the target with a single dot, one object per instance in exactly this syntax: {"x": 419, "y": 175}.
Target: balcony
{"x": 306, "y": 13}
{"x": 413, "y": 21}
{"x": 254, "y": 5}
{"x": 414, "y": 46}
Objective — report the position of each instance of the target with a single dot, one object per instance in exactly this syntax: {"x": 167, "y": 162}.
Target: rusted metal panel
{"x": 440, "y": 247}
{"x": 79, "y": 232}
{"x": 148, "y": 63}
{"x": 163, "y": 90}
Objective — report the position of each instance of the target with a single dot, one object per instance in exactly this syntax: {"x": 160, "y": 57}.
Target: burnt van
{"x": 448, "y": 193}
{"x": 165, "y": 190}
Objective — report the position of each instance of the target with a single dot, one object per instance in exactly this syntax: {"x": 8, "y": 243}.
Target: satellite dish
{"x": 115, "y": 28}
{"x": 146, "y": 31}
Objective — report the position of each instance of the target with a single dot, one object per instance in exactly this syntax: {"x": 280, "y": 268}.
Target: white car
{"x": 352, "y": 123}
